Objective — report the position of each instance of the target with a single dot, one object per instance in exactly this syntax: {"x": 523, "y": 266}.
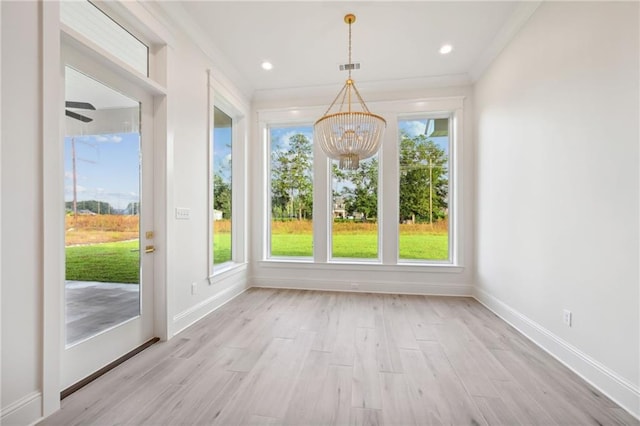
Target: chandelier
{"x": 349, "y": 135}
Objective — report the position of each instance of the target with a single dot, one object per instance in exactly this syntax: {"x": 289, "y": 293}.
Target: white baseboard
{"x": 25, "y": 411}
{"x": 195, "y": 313}
{"x": 620, "y": 390}
{"x": 368, "y": 286}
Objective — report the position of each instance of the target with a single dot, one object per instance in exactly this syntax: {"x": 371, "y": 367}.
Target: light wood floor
{"x": 319, "y": 358}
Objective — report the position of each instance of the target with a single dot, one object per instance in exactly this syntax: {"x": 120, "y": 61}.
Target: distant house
{"x": 339, "y": 211}
{"x": 217, "y": 214}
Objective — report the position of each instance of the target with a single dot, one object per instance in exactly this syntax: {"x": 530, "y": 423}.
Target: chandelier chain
{"x": 364, "y": 106}
{"x": 349, "y": 50}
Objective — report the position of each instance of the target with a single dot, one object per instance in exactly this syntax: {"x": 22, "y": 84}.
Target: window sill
{"x": 225, "y": 270}
{"x": 345, "y": 265}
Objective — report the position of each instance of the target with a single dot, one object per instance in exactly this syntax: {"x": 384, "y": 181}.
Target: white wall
{"x": 557, "y": 188}
{"x": 388, "y": 278}
{"x": 188, "y": 97}
{"x": 21, "y": 210}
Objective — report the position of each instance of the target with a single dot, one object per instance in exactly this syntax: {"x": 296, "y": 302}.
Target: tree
{"x": 133, "y": 208}
{"x": 360, "y": 190}
{"x": 292, "y": 179}
{"x": 424, "y": 184}
{"x": 94, "y": 206}
{"x": 222, "y": 196}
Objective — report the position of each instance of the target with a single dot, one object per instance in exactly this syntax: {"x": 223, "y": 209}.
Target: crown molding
{"x": 371, "y": 90}
{"x": 174, "y": 15}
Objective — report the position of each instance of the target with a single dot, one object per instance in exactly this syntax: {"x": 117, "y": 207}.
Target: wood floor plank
{"x": 365, "y": 310}
{"x": 344, "y": 349}
{"x": 380, "y": 359}
{"x": 307, "y": 389}
{"x": 453, "y": 396}
{"x": 395, "y": 315}
{"x": 365, "y": 417}
{"x": 269, "y": 385}
{"x": 334, "y": 402}
{"x": 327, "y": 319}
{"x": 423, "y": 390}
{"x": 421, "y": 318}
{"x": 561, "y": 405}
{"x": 495, "y": 411}
{"x": 224, "y": 397}
{"x": 366, "y": 391}
{"x": 262, "y": 421}
{"x": 525, "y": 407}
{"x": 396, "y": 408}
{"x": 464, "y": 361}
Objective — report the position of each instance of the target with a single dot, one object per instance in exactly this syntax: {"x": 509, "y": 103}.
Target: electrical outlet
{"x": 183, "y": 213}
{"x": 194, "y": 288}
{"x": 566, "y": 317}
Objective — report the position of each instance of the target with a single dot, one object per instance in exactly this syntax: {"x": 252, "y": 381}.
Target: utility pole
{"x": 75, "y": 180}
{"x": 430, "y": 191}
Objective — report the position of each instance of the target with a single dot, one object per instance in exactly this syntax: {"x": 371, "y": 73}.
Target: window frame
{"x": 224, "y": 100}
{"x": 106, "y": 14}
{"x": 388, "y": 189}
{"x": 379, "y": 241}
{"x": 450, "y": 193}
{"x": 268, "y": 167}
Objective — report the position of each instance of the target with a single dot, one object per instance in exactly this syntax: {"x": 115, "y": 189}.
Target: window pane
{"x": 91, "y": 22}
{"x": 424, "y": 189}
{"x": 291, "y": 191}
{"x": 355, "y": 211}
{"x": 222, "y": 143}
{"x": 102, "y": 161}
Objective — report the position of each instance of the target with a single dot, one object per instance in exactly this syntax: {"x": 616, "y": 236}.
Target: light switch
{"x": 183, "y": 213}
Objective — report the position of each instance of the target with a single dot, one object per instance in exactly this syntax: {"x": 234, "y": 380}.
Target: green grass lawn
{"x": 424, "y": 246}
{"x": 221, "y": 247}
{"x": 109, "y": 262}
{"x": 364, "y": 246}
{"x": 119, "y": 262}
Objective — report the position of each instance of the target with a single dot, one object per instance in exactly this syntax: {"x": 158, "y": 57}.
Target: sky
{"x": 107, "y": 168}
{"x": 280, "y": 135}
{"x": 222, "y": 152}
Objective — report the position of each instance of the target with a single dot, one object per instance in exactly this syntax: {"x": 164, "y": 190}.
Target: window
{"x": 402, "y": 209}
{"x": 424, "y": 147}
{"x": 291, "y": 184}
{"x": 95, "y": 25}
{"x": 355, "y": 211}
{"x": 222, "y": 186}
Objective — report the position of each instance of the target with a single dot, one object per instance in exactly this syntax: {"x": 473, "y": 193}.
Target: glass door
{"x": 108, "y": 163}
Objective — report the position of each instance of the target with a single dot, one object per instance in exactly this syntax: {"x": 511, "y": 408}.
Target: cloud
{"x": 68, "y": 189}
{"x": 282, "y": 142}
{"x": 108, "y": 138}
{"x": 413, "y": 127}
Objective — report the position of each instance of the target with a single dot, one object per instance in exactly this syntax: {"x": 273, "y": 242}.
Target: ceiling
{"x": 306, "y": 41}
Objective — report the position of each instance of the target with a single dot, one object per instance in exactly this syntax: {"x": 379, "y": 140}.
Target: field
{"x": 105, "y": 247}
{"x": 107, "y": 262}
{"x": 102, "y": 248}
{"x": 358, "y": 240}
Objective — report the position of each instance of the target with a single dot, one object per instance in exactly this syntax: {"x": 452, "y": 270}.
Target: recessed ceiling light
{"x": 266, "y": 65}
{"x": 446, "y": 48}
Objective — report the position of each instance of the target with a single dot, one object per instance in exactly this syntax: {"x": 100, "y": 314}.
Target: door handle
{"x": 149, "y": 249}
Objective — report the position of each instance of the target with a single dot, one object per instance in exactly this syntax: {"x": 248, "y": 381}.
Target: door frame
{"x": 82, "y": 359}
{"x": 51, "y": 252}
